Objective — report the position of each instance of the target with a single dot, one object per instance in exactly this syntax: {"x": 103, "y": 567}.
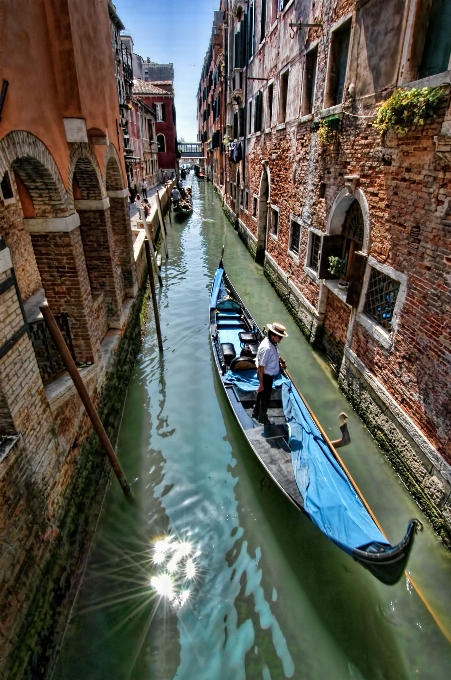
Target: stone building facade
{"x": 317, "y": 180}
{"x": 65, "y": 239}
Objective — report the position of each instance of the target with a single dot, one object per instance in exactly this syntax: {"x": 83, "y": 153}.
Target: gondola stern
{"x": 388, "y": 564}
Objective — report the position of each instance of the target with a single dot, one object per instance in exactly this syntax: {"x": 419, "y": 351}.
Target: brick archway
{"x": 83, "y": 164}
{"x": 112, "y": 170}
{"x": 338, "y": 213}
{"x": 34, "y": 164}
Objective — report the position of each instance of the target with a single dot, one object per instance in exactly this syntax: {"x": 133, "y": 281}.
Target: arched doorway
{"x": 262, "y": 220}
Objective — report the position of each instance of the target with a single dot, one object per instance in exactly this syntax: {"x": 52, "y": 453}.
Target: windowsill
{"x": 312, "y": 274}
{"x": 280, "y": 126}
{"x": 430, "y": 81}
{"x": 257, "y": 134}
{"x": 253, "y": 217}
{"x": 306, "y": 118}
{"x": 272, "y": 27}
{"x": 9, "y": 201}
{"x": 267, "y": 131}
{"x": 261, "y": 45}
{"x": 250, "y": 60}
{"x": 294, "y": 256}
{"x": 376, "y": 331}
{"x": 332, "y": 285}
{"x": 274, "y": 237}
{"x": 331, "y": 111}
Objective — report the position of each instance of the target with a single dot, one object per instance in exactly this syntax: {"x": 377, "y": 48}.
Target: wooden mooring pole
{"x": 84, "y": 396}
{"x": 168, "y": 196}
{"x": 154, "y": 296}
{"x": 152, "y": 250}
{"x": 162, "y": 224}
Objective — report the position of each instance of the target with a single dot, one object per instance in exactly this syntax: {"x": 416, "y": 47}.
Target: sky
{"x": 176, "y": 31}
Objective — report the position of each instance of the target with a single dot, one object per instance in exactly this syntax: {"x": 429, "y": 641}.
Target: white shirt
{"x": 268, "y": 357}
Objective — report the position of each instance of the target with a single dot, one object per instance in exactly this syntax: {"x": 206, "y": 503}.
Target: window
{"x": 241, "y": 130}
{"x": 274, "y": 229}
{"x": 161, "y": 143}
{"x": 250, "y": 32}
{"x": 295, "y": 236}
{"x": 437, "y": 44}
{"x": 381, "y": 296}
{"x": 263, "y": 21}
{"x": 270, "y": 101}
{"x": 246, "y": 200}
{"x": 353, "y": 231}
{"x": 274, "y": 10}
{"x": 235, "y": 125}
{"x": 254, "y": 206}
{"x": 249, "y": 131}
{"x": 315, "y": 248}
{"x": 160, "y": 117}
{"x": 258, "y": 116}
{"x": 338, "y": 61}
{"x": 6, "y": 187}
{"x": 308, "y": 97}
{"x": 283, "y": 96}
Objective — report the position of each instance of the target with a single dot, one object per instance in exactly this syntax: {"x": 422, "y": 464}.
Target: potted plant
{"x": 337, "y": 268}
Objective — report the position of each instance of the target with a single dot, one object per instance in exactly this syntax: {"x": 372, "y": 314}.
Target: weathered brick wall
{"x": 335, "y": 327}
{"x": 19, "y": 243}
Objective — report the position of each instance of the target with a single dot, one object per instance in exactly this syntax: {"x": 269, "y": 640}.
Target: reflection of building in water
{"x": 352, "y": 227}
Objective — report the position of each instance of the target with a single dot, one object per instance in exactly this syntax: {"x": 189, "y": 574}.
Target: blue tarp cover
{"x": 216, "y": 287}
{"x": 329, "y": 498}
{"x": 248, "y": 381}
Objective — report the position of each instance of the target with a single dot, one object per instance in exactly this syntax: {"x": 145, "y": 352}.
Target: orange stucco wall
{"x": 63, "y": 68}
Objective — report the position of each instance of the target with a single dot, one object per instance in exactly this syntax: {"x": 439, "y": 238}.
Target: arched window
{"x": 353, "y": 232}
{"x": 161, "y": 142}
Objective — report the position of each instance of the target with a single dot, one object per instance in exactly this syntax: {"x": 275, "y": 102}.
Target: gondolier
{"x": 269, "y": 364}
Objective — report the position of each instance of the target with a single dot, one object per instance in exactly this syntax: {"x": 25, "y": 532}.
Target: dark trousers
{"x": 144, "y": 192}
{"x": 263, "y": 398}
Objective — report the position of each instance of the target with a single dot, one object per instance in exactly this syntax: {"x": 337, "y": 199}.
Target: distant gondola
{"x": 183, "y": 210}
{"x": 294, "y": 449}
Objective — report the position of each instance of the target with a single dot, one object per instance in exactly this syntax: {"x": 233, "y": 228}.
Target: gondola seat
{"x": 242, "y": 364}
{"x": 249, "y": 350}
{"x": 228, "y": 351}
{"x": 247, "y": 337}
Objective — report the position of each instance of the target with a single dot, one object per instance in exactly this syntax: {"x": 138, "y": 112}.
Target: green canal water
{"x": 210, "y": 573}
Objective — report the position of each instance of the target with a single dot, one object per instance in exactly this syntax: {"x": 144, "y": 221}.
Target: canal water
{"x": 210, "y": 573}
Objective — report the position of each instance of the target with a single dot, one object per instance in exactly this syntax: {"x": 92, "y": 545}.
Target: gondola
{"x": 293, "y": 448}
{"x": 183, "y": 210}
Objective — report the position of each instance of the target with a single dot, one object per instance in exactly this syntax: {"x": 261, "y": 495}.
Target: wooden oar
{"x": 204, "y": 219}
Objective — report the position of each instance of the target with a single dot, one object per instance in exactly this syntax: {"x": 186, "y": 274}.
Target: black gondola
{"x": 294, "y": 449}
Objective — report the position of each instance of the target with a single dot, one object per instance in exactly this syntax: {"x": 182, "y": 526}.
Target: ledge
{"x": 332, "y": 285}
{"x": 100, "y": 204}
{"x": 331, "y": 111}
{"x": 52, "y": 225}
{"x": 443, "y": 78}
{"x": 118, "y": 193}
{"x": 281, "y": 126}
{"x": 306, "y": 118}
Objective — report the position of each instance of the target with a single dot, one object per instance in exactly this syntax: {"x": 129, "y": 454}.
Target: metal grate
{"x": 353, "y": 226}
{"x": 381, "y": 298}
{"x": 47, "y": 355}
{"x": 315, "y": 251}
{"x": 295, "y": 237}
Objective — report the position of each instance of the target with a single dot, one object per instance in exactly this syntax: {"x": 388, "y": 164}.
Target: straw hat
{"x": 278, "y": 329}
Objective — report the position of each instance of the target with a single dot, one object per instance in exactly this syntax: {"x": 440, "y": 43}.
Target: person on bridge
{"x": 269, "y": 364}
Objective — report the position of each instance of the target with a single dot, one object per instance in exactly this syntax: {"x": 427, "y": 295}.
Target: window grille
{"x": 353, "y": 226}
{"x": 254, "y": 207}
{"x": 381, "y": 298}
{"x": 295, "y": 237}
{"x": 315, "y": 251}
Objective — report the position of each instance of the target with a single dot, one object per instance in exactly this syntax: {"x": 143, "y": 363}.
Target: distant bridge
{"x": 190, "y": 150}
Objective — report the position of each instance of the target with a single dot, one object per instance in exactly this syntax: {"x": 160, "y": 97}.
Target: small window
{"x": 315, "y": 248}
{"x": 250, "y": 32}
{"x": 246, "y": 200}
{"x": 263, "y": 21}
{"x": 270, "y": 102}
{"x": 338, "y": 61}
{"x": 274, "y": 8}
{"x": 258, "y": 116}
{"x": 274, "y": 229}
{"x": 249, "y": 127}
{"x": 254, "y": 206}
{"x": 160, "y": 113}
{"x": 6, "y": 187}
{"x": 283, "y": 96}
{"x": 381, "y": 297}
{"x": 295, "y": 236}
{"x": 437, "y": 45}
{"x": 308, "y": 98}
{"x": 161, "y": 143}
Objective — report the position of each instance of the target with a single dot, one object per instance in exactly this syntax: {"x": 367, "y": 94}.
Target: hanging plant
{"x": 326, "y": 129}
{"x": 406, "y": 108}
